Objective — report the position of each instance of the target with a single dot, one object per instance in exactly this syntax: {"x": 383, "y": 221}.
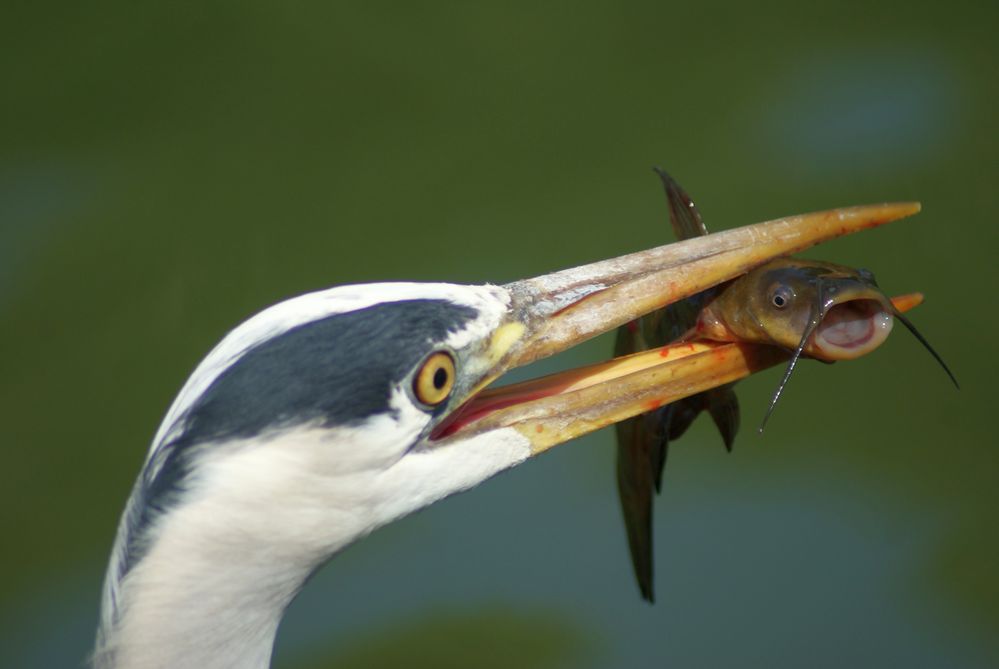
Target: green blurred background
{"x": 168, "y": 169}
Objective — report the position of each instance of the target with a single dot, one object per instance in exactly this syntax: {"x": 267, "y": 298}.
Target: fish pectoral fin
{"x": 670, "y": 423}
{"x": 723, "y": 405}
{"x": 680, "y": 415}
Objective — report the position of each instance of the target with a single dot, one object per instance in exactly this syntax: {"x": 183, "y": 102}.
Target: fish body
{"x": 811, "y": 308}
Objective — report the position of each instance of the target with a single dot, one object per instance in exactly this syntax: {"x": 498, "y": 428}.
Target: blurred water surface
{"x": 166, "y": 171}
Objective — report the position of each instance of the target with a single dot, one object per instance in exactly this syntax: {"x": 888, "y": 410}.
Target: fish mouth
{"x": 852, "y": 329}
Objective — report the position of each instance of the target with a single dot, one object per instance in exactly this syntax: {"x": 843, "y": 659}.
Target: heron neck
{"x": 207, "y": 593}
{"x": 226, "y": 559}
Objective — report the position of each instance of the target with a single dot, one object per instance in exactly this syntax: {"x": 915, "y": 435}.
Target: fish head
{"x": 840, "y": 312}
{"x": 828, "y": 311}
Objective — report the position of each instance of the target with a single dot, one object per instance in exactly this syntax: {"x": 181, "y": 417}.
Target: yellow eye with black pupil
{"x": 434, "y": 381}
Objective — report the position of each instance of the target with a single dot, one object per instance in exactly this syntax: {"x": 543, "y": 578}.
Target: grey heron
{"x": 333, "y": 413}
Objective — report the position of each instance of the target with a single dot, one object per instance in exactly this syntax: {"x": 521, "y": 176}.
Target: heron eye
{"x": 435, "y": 379}
{"x": 780, "y": 297}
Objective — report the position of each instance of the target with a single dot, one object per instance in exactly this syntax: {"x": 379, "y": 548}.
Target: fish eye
{"x": 780, "y": 296}
{"x": 435, "y": 378}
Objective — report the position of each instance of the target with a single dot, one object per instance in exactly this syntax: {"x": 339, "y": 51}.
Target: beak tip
{"x": 897, "y": 210}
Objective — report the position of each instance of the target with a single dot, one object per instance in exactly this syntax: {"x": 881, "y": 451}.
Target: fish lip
{"x": 851, "y": 329}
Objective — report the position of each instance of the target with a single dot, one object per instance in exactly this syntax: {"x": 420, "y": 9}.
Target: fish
{"x": 810, "y": 308}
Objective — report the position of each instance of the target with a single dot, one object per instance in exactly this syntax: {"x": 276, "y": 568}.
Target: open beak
{"x": 553, "y": 312}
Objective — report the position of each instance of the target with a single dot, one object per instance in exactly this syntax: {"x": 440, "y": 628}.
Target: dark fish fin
{"x": 683, "y": 213}
{"x": 637, "y": 451}
{"x": 922, "y": 340}
{"x": 661, "y": 424}
{"x": 673, "y": 321}
{"x": 680, "y": 415}
{"x": 659, "y": 462}
{"x": 634, "y": 486}
{"x": 670, "y": 423}
{"x": 723, "y": 405}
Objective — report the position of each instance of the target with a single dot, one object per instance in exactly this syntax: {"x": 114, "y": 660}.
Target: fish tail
{"x": 634, "y": 486}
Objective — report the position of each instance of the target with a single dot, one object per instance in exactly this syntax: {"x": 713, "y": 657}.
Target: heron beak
{"x": 551, "y": 313}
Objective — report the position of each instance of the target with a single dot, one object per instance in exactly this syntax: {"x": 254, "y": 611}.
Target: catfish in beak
{"x": 816, "y": 309}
